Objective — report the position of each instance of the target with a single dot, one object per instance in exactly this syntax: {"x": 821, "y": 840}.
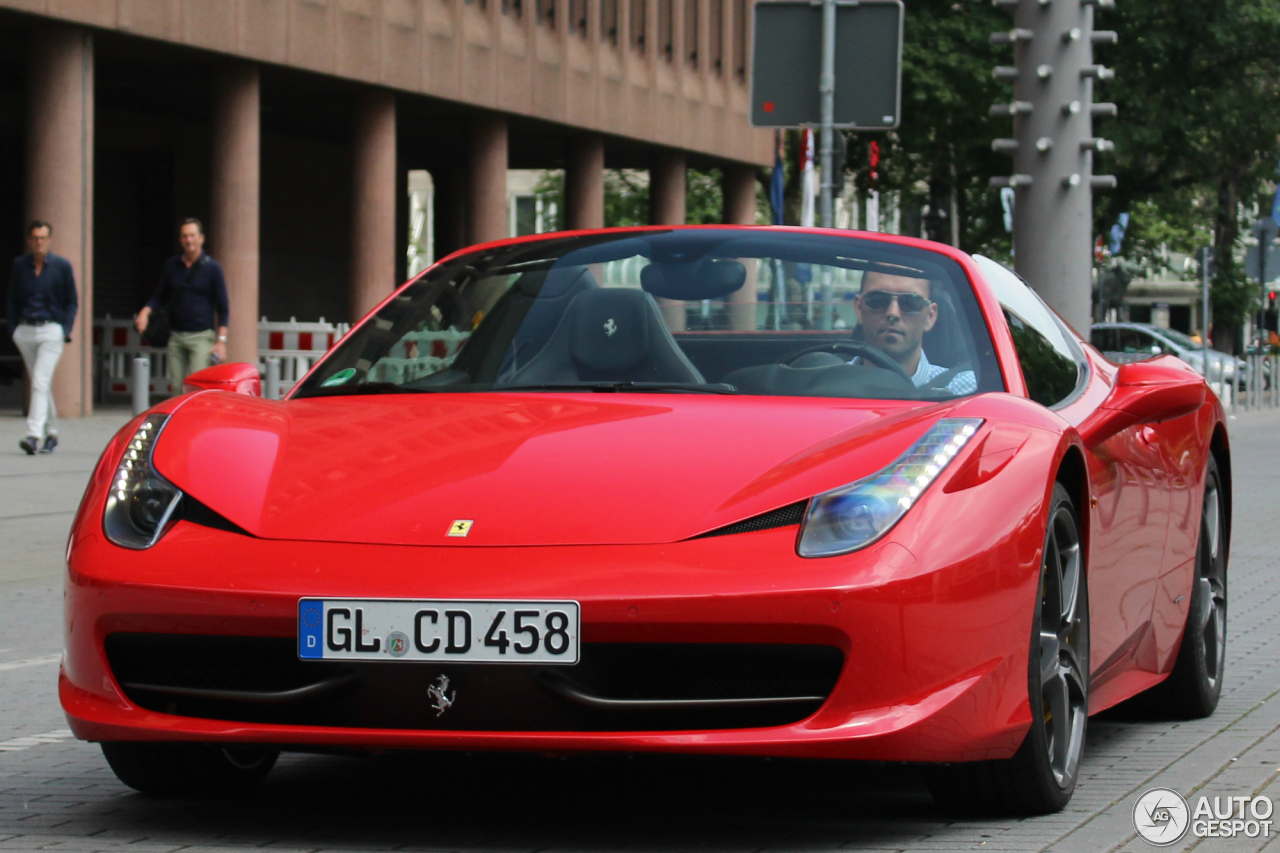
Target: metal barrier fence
{"x": 1261, "y": 388}
{"x": 293, "y": 345}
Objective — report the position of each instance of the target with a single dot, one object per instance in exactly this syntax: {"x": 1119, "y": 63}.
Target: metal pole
{"x": 141, "y": 384}
{"x": 1204, "y": 306}
{"x": 1260, "y": 333}
{"x": 779, "y": 294}
{"x": 1275, "y": 392}
{"x": 1255, "y": 381}
{"x": 827, "y": 91}
{"x": 273, "y": 379}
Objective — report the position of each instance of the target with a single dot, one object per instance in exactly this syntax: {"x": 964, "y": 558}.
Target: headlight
{"x": 141, "y": 502}
{"x": 854, "y": 516}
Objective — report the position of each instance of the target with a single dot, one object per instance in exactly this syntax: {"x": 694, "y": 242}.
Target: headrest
{"x": 555, "y": 282}
{"x": 609, "y": 328}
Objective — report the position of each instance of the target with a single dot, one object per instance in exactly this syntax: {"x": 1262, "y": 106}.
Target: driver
{"x": 895, "y": 311}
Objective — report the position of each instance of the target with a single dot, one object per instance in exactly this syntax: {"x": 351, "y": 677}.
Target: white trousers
{"x": 41, "y": 347}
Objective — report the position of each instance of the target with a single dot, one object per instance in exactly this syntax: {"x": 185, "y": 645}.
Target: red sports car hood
{"x": 527, "y": 469}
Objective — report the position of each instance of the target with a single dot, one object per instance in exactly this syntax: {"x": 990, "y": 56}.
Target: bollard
{"x": 273, "y": 379}
{"x": 141, "y": 384}
{"x": 1224, "y": 387}
{"x": 1275, "y": 387}
{"x": 1257, "y": 381}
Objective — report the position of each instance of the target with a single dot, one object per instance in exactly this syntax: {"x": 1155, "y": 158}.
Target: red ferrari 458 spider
{"x": 757, "y": 491}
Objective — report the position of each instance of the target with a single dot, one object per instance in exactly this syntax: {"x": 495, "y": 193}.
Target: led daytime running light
{"x": 856, "y": 515}
{"x": 140, "y": 501}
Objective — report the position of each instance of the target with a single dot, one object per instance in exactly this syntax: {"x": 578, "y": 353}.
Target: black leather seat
{"x": 609, "y": 335}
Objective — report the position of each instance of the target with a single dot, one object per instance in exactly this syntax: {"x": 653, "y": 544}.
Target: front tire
{"x": 189, "y": 769}
{"x": 1041, "y": 776}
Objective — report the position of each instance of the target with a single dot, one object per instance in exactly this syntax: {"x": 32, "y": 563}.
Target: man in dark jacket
{"x": 194, "y": 291}
{"x": 42, "y": 310}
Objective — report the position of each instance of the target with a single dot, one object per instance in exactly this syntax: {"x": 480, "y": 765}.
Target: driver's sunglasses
{"x": 908, "y": 303}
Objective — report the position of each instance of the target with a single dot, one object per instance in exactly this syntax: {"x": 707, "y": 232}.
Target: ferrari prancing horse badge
{"x": 461, "y": 527}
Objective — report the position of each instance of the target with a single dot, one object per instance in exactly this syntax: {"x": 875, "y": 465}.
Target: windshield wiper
{"x": 624, "y": 386}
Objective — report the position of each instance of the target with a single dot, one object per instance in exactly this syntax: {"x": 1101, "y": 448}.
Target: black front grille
{"x": 615, "y": 687}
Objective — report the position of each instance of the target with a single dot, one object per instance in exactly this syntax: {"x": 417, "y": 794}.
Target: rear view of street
{"x": 57, "y": 793}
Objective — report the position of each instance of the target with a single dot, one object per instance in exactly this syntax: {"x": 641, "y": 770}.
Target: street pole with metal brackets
{"x": 1053, "y": 146}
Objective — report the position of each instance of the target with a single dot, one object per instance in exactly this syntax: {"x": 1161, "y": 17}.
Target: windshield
{"x": 706, "y": 310}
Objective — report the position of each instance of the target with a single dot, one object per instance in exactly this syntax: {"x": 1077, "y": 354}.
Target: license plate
{"x": 463, "y": 631}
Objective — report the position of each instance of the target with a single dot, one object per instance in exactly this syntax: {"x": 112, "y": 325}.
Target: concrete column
{"x": 584, "y": 183}
{"x": 666, "y": 188}
{"x": 373, "y": 220}
{"x": 487, "y": 179}
{"x": 59, "y": 186}
{"x": 234, "y": 193}
{"x": 666, "y": 207}
{"x": 739, "y": 187}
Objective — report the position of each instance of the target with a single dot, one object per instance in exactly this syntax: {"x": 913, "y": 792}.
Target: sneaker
{"x": 50, "y": 442}
{"x": 29, "y": 444}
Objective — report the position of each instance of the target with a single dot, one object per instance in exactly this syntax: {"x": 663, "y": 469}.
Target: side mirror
{"x": 1145, "y": 392}
{"x": 239, "y": 377}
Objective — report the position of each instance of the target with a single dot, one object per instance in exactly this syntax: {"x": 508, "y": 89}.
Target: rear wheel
{"x": 1191, "y": 691}
{"x": 187, "y": 769}
{"x": 1041, "y": 775}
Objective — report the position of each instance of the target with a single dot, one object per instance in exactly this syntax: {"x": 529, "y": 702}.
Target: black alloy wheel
{"x": 189, "y": 769}
{"x": 1041, "y": 776}
{"x": 1192, "y": 690}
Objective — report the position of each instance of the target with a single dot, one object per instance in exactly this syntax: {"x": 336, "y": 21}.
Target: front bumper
{"x": 933, "y": 629}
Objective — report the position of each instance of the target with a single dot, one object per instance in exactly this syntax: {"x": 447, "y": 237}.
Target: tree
{"x": 942, "y": 150}
{"x": 1196, "y": 85}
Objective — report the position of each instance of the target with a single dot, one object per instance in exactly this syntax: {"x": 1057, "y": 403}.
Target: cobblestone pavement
{"x": 57, "y": 793}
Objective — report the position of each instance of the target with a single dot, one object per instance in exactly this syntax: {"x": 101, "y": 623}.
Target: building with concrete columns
{"x": 290, "y": 128}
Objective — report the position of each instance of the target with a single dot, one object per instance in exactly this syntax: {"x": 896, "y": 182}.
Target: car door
{"x": 1128, "y": 524}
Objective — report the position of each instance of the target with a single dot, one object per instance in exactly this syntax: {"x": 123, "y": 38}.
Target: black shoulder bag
{"x": 159, "y": 324}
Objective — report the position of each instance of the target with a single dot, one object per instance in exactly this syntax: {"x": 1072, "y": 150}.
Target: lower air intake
{"x": 615, "y": 687}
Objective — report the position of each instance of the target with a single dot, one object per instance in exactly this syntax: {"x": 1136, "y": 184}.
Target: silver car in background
{"x": 1123, "y": 342}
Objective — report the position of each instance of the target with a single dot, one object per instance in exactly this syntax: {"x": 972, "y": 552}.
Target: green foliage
{"x": 945, "y": 137}
{"x": 1196, "y": 86}
{"x": 626, "y": 198}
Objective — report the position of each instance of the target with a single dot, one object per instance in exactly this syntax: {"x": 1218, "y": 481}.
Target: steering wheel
{"x": 862, "y": 350}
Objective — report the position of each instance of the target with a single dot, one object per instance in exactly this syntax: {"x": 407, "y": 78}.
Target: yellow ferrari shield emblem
{"x": 461, "y": 527}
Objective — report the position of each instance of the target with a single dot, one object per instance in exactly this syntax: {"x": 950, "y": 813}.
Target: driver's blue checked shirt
{"x": 964, "y": 382}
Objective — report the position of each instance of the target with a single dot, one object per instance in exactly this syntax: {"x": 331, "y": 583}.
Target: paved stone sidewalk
{"x": 57, "y": 793}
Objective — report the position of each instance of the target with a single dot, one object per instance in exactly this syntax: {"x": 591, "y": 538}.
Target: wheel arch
{"x": 1220, "y": 449}
{"x": 1074, "y": 477}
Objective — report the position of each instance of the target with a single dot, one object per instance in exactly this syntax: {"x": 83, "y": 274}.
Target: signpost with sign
{"x": 831, "y": 64}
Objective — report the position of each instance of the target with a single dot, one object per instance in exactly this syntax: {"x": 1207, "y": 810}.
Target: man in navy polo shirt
{"x": 42, "y": 310}
{"x": 194, "y": 290}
